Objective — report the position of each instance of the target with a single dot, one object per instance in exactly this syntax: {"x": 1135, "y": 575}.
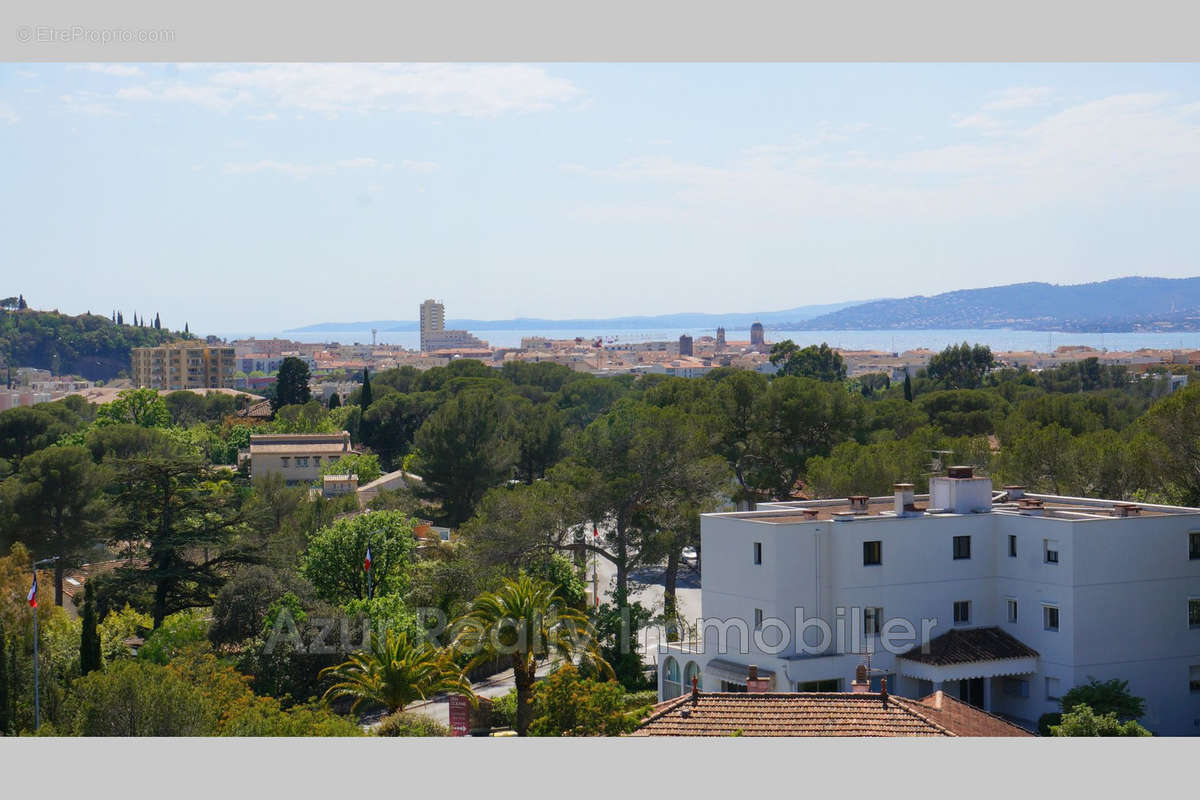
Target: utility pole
{"x": 37, "y": 696}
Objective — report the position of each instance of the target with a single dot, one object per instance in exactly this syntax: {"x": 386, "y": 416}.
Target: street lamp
{"x": 37, "y": 697}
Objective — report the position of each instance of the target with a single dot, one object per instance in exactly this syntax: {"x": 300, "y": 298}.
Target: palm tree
{"x": 526, "y": 619}
{"x": 394, "y": 672}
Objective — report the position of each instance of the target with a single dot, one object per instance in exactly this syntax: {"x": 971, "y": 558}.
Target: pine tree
{"x": 365, "y": 398}
{"x": 4, "y": 706}
{"x": 89, "y": 638}
{"x": 907, "y": 387}
{"x": 334, "y": 401}
{"x": 157, "y": 322}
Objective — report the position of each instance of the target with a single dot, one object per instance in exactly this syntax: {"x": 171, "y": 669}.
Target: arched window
{"x": 692, "y": 670}
{"x": 671, "y": 685}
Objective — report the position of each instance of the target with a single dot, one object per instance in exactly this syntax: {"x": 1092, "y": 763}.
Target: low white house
{"x": 1003, "y": 599}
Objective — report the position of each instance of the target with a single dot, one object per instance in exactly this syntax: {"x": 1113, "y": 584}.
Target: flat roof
{"x": 883, "y": 507}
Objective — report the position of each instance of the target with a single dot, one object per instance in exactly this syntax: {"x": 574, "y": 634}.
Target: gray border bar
{"x": 599, "y": 30}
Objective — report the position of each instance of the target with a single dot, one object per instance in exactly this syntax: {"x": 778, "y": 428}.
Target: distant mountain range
{"x": 1119, "y": 305}
{"x": 1114, "y": 306}
{"x": 686, "y": 320}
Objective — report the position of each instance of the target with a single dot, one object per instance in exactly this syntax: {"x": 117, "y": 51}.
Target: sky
{"x": 264, "y": 196}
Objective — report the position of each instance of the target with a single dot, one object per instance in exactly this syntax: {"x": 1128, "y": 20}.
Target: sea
{"x": 894, "y": 341}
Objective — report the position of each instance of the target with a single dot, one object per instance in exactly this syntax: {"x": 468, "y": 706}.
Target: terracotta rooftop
{"x": 787, "y": 714}
{"x": 965, "y": 719}
{"x": 818, "y": 714}
{"x": 969, "y": 645}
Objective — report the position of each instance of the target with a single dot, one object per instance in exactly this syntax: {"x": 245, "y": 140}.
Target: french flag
{"x": 367, "y": 561}
{"x": 32, "y": 598}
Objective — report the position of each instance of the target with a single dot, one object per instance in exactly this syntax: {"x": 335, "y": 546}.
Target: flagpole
{"x": 37, "y": 695}
{"x": 37, "y": 665}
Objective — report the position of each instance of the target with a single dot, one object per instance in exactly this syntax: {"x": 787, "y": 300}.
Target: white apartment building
{"x": 1017, "y": 598}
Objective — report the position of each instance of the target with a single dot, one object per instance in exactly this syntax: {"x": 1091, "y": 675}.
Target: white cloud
{"x": 116, "y": 70}
{"x": 981, "y": 122}
{"x": 303, "y": 171}
{"x": 89, "y": 103}
{"x": 1090, "y": 153}
{"x": 270, "y": 117}
{"x": 469, "y": 90}
{"x": 423, "y": 167}
{"x": 27, "y": 74}
{"x": 212, "y": 98}
{"x": 8, "y": 115}
{"x": 1020, "y": 97}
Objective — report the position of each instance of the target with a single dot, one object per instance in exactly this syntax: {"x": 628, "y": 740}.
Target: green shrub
{"x": 407, "y": 723}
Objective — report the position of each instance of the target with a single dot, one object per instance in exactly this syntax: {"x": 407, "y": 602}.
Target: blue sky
{"x": 258, "y": 197}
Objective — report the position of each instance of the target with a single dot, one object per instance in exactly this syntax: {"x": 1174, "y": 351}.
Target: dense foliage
{"x": 93, "y": 346}
{"x": 246, "y": 601}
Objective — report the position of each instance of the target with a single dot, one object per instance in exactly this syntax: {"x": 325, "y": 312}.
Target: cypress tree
{"x": 21, "y": 304}
{"x": 334, "y": 401}
{"x": 89, "y": 639}
{"x": 185, "y": 329}
{"x": 907, "y": 387}
{"x": 4, "y": 720}
{"x": 365, "y": 398}
{"x": 157, "y": 322}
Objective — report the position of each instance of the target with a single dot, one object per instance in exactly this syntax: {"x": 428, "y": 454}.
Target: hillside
{"x": 1122, "y": 304}
{"x": 88, "y": 345}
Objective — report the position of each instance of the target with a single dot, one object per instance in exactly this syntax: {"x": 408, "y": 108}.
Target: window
{"x": 1015, "y": 687}
{"x": 301, "y": 461}
{"x": 1194, "y": 678}
{"x": 1012, "y": 609}
{"x": 872, "y": 620}
{"x": 830, "y": 685}
{"x": 758, "y": 619}
{"x": 1050, "y": 618}
{"x": 671, "y": 685}
{"x": 962, "y": 546}
{"x": 1194, "y": 546}
{"x": 1051, "y": 547}
{"x": 1052, "y": 690}
{"x": 692, "y": 670}
{"x": 1194, "y": 612}
{"x": 962, "y": 612}
{"x": 872, "y": 553}
{"x": 758, "y": 552}
{"x": 283, "y": 461}
{"x": 1012, "y": 546}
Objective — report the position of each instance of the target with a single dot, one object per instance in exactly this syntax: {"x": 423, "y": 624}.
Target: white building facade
{"x": 1018, "y": 597}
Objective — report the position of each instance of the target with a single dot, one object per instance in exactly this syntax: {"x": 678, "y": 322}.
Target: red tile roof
{"x": 964, "y": 646}
{"x": 819, "y": 714}
{"x": 965, "y": 719}
{"x": 788, "y": 714}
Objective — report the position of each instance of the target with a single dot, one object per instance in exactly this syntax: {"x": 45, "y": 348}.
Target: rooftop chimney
{"x": 755, "y": 683}
{"x": 883, "y": 692}
{"x": 1126, "y": 509}
{"x": 1015, "y": 492}
{"x": 904, "y": 498}
{"x": 695, "y": 689}
{"x": 858, "y": 503}
{"x": 811, "y": 513}
{"x": 961, "y": 472}
{"x": 860, "y": 684}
